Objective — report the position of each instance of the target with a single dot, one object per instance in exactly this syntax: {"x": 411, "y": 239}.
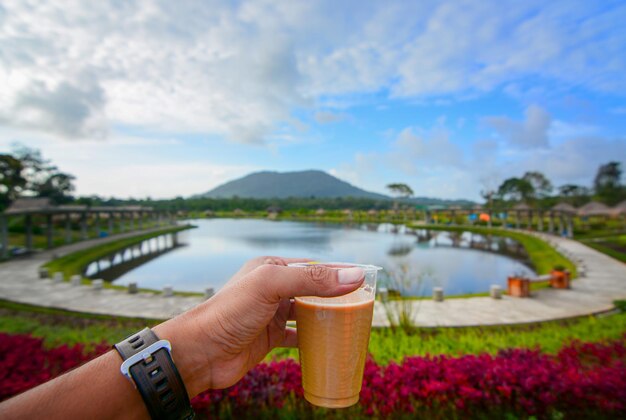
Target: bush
{"x": 584, "y": 380}
{"x": 25, "y": 362}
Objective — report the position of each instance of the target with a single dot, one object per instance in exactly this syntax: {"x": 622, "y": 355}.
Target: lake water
{"x": 210, "y": 254}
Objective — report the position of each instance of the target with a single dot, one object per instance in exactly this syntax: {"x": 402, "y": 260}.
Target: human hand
{"x": 217, "y": 342}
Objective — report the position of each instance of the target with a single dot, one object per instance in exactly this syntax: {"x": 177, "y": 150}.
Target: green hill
{"x": 312, "y": 183}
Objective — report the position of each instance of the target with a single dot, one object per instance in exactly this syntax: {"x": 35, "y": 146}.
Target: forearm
{"x": 94, "y": 390}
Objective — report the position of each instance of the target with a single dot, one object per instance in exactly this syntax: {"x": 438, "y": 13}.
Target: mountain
{"x": 310, "y": 183}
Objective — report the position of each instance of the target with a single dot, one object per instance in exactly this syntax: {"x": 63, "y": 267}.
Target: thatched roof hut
{"x": 619, "y": 208}
{"x": 564, "y": 208}
{"x": 594, "y": 208}
{"x": 522, "y": 207}
{"x": 320, "y": 212}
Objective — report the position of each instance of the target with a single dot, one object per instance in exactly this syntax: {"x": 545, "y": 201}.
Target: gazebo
{"x": 564, "y": 213}
{"x": 523, "y": 208}
{"x": 564, "y": 208}
{"x": 594, "y": 208}
{"x": 619, "y": 209}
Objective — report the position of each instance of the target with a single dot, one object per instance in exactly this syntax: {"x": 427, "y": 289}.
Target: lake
{"x": 208, "y": 255}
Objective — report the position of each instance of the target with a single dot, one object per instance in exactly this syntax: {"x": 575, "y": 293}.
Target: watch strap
{"x": 156, "y": 378}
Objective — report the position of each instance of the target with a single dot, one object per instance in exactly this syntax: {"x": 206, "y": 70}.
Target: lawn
{"x": 17, "y": 237}
{"x": 543, "y": 257}
{"x": 614, "y": 246}
{"x": 58, "y": 327}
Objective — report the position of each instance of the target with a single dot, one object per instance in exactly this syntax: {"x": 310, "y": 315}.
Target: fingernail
{"x": 350, "y": 275}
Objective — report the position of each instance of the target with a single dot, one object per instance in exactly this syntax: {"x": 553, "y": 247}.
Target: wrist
{"x": 188, "y": 352}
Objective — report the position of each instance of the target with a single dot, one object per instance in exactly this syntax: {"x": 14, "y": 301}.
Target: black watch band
{"x": 148, "y": 363}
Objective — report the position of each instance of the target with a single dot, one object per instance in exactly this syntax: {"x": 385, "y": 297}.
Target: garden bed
{"x": 583, "y": 380}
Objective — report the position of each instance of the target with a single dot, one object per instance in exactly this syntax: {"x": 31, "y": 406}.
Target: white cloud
{"x": 327, "y": 117}
{"x": 531, "y": 133}
{"x": 573, "y": 161}
{"x": 156, "y": 180}
{"x": 418, "y": 151}
{"x": 565, "y": 130}
{"x": 72, "y": 111}
{"x": 240, "y": 69}
{"x": 131, "y": 166}
{"x": 433, "y": 163}
{"x": 426, "y": 159}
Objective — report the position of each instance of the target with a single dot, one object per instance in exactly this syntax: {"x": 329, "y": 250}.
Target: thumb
{"x": 276, "y": 282}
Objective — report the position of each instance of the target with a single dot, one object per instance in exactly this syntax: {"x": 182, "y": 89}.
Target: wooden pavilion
{"x": 128, "y": 218}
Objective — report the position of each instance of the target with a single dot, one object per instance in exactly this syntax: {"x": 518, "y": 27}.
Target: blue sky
{"x": 160, "y": 99}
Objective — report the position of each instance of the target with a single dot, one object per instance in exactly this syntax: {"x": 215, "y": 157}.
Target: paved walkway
{"x": 604, "y": 281}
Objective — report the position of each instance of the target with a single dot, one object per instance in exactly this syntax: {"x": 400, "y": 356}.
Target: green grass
{"x": 40, "y": 239}
{"x": 609, "y": 245}
{"x": 58, "y": 327}
{"x": 542, "y": 256}
{"x": 386, "y": 345}
{"x": 76, "y": 262}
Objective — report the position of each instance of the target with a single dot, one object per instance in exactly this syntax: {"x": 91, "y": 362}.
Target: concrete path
{"x": 604, "y": 281}
{"x": 19, "y": 282}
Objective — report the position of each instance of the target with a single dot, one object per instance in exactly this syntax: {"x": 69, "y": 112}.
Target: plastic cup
{"x": 333, "y": 334}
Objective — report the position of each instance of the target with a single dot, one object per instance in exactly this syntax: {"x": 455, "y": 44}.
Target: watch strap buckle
{"x": 144, "y": 355}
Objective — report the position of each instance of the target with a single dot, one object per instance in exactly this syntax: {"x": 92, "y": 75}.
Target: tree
{"x": 401, "y": 190}
{"x": 572, "y": 190}
{"x": 36, "y": 169}
{"x": 516, "y": 189}
{"x": 27, "y": 173}
{"x": 607, "y": 183}
{"x": 12, "y": 183}
{"x": 542, "y": 187}
{"x": 576, "y": 195}
{"x": 57, "y": 187}
{"x": 488, "y": 195}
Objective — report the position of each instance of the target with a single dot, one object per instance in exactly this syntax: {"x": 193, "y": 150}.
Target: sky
{"x": 162, "y": 99}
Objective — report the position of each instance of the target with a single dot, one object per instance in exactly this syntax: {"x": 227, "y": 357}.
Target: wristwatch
{"x": 148, "y": 364}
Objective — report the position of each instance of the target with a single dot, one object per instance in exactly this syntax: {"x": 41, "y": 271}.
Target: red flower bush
{"x": 583, "y": 380}
{"x": 25, "y": 362}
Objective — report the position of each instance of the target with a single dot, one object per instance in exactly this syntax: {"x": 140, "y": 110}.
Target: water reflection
{"x": 459, "y": 262}
{"x": 117, "y": 264}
